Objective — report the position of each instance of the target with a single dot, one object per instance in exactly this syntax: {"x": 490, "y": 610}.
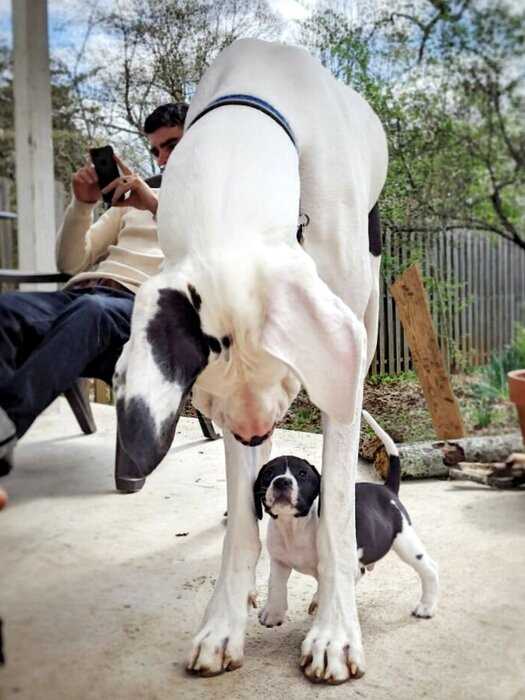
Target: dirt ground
{"x": 399, "y": 406}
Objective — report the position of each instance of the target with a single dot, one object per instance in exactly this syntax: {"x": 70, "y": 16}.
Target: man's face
{"x": 163, "y": 141}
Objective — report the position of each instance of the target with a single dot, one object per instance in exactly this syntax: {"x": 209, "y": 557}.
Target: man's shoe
{"x": 7, "y": 442}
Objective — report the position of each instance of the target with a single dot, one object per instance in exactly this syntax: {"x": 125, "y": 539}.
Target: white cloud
{"x": 291, "y": 9}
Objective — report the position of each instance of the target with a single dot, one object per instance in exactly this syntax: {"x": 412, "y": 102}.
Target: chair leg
{"x": 78, "y": 400}
{"x": 128, "y": 477}
{"x": 207, "y": 427}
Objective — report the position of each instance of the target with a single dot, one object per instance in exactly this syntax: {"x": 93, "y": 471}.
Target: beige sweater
{"x": 121, "y": 245}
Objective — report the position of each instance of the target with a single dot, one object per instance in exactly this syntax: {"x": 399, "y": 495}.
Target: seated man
{"x": 49, "y": 339}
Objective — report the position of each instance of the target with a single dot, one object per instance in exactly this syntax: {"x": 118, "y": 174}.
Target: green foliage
{"x": 380, "y": 379}
{"x": 492, "y": 385}
{"x": 447, "y": 82}
{"x": 69, "y": 141}
{"x": 494, "y": 374}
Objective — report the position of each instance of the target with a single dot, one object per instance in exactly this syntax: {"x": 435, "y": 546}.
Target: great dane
{"x": 247, "y": 308}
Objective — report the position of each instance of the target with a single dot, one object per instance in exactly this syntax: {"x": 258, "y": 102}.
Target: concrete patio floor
{"x": 100, "y": 593}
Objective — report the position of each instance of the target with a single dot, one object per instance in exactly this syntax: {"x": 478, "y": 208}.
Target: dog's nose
{"x": 282, "y": 483}
{"x": 253, "y": 441}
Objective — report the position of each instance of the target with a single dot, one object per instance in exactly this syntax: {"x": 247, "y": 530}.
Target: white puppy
{"x": 246, "y": 309}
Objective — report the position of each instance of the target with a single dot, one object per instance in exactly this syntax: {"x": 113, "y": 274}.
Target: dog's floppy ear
{"x": 310, "y": 329}
{"x": 257, "y": 496}
{"x": 166, "y": 352}
{"x": 319, "y": 495}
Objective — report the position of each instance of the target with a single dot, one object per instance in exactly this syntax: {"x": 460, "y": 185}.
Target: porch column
{"x": 33, "y": 136}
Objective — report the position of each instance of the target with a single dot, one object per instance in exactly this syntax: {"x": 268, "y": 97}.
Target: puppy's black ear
{"x": 257, "y": 496}
{"x": 319, "y": 494}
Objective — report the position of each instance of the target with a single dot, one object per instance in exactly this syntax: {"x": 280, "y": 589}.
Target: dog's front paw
{"x": 213, "y": 653}
{"x": 424, "y": 611}
{"x": 328, "y": 656}
{"x": 218, "y": 647}
{"x": 272, "y": 617}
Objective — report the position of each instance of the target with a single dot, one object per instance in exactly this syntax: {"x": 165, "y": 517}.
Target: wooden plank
{"x": 463, "y": 295}
{"x": 6, "y": 226}
{"x": 470, "y": 295}
{"x": 390, "y": 368}
{"x": 509, "y": 277}
{"x": 102, "y": 392}
{"x": 407, "y": 364}
{"x": 381, "y": 347}
{"x": 400, "y": 251}
{"x": 480, "y": 316}
{"x": 414, "y": 311}
{"x": 455, "y": 242}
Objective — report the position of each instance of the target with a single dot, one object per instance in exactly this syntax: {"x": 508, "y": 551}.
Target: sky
{"x": 64, "y": 27}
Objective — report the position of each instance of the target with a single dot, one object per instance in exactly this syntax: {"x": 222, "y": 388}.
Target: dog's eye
{"x": 302, "y": 474}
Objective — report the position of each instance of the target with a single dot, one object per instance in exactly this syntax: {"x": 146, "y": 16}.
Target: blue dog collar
{"x": 248, "y": 101}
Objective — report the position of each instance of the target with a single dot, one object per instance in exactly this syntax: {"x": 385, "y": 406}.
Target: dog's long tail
{"x": 394, "y": 468}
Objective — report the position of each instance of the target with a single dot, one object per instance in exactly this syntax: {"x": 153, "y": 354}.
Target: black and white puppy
{"x": 287, "y": 488}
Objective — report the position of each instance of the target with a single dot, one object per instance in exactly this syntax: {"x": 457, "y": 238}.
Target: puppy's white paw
{"x": 327, "y": 656}
{"x": 272, "y": 617}
{"x": 424, "y": 611}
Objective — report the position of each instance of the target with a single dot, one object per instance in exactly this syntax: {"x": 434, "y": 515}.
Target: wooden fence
{"x": 476, "y": 286}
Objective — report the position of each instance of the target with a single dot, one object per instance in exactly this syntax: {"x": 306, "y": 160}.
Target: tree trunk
{"x": 431, "y": 459}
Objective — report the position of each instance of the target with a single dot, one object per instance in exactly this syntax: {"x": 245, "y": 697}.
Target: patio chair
{"x": 128, "y": 476}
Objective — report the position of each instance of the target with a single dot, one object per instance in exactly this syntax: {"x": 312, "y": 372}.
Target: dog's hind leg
{"x": 219, "y": 645}
{"x": 410, "y": 549}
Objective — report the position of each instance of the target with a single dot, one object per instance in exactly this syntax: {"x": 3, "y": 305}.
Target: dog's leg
{"x": 219, "y": 645}
{"x": 410, "y": 549}
{"x": 274, "y": 611}
{"x": 332, "y": 650}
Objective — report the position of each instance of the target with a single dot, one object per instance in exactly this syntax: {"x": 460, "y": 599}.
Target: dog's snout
{"x": 282, "y": 483}
{"x": 253, "y": 441}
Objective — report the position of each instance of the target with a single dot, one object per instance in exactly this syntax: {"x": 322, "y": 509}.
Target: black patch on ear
{"x": 138, "y": 434}
{"x": 374, "y": 231}
{"x": 319, "y": 496}
{"x": 258, "y": 496}
{"x": 178, "y": 344}
{"x": 213, "y": 344}
{"x": 226, "y": 341}
{"x": 195, "y": 297}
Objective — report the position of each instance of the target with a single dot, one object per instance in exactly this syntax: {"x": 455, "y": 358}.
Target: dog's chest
{"x": 297, "y": 549}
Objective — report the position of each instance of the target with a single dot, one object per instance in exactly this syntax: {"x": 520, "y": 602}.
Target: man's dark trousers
{"x": 50, "y": 339}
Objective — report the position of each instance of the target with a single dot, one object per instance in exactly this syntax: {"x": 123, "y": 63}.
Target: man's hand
{"x": 140, "y": 196}
{"x": 85, "y": 185}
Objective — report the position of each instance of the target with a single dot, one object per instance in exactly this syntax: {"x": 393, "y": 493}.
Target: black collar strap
{"x": 248, "y": 101}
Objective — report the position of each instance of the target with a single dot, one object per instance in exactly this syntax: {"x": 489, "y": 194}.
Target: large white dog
{"x": 243, "y": 312}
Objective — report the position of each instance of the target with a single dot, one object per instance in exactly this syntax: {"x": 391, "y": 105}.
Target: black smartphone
{"x": 106, "y": 169}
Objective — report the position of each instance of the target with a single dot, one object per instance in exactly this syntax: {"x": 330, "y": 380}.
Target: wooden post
{"x": 102, "y": 392}
{"x": 414, "y": 311}
{"x": 33, "y": 137}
